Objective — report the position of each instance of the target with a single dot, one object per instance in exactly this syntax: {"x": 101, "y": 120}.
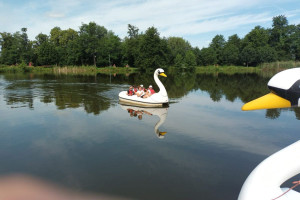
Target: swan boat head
{"x": 285, "y": 92}
{"x": 160, "y": 72}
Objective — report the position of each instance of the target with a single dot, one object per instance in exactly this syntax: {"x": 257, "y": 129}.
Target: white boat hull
{"x": 152, "y": 101}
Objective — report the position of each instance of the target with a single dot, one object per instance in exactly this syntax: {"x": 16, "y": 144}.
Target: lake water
{"x": 71, "y": 130}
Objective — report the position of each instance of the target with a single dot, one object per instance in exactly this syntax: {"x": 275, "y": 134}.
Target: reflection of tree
{"x": 19, "y": 92}
{"x": 216, "y": 95}
{"x": 180, "y": 84}
{"x": 65, "y": 91}
{"x": 245, "y": 87}
{"x": 297, "y": 112}
{"x": 272, "y": 113}
{"x": 275, "y": 113}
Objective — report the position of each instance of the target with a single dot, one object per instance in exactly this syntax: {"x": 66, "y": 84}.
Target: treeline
{"x": 95, "y": 45}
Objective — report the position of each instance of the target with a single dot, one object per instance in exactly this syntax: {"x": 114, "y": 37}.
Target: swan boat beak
{"x": 162, "y": 133}
{"x": 268, "y": 101}
{"x": 285, "y": 92}
{"x": 163, "y": 74}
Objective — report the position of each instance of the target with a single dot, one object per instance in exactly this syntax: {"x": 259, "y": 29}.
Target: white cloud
{"x": 172, "y": 18}
{"x": 56, "y": 15}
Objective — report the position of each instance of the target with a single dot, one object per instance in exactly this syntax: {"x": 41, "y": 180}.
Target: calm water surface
{"x": 71, "y": 130}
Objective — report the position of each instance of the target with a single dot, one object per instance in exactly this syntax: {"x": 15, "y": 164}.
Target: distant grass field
{"x": 227, "y": 69}
{"x": 265, "y": 69}
{"x": 84, "y": 70}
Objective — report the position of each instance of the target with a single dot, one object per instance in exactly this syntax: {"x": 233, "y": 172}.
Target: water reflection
{"x": 97, "y": 93}
{"x": 64, "y": 91}
{"x": 139, "y": 112}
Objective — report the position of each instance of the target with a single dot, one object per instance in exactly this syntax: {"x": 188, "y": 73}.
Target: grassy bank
{"x": 227, "y": 69}
{"x": 275, "y": 67}
{"x": 266, "y": 69}
{"x": 83, "y": 70}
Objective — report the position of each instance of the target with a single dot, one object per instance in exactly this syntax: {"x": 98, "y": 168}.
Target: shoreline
{"x": 265, "y": 69}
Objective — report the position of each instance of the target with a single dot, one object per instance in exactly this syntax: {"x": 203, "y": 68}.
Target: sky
{"x": 196, "y": 21}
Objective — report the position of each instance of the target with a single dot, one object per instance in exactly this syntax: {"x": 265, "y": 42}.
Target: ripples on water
{"x": 72, "y": 131}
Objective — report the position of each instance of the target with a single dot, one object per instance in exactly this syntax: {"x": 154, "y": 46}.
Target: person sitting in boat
{"x": 140, "y": 92}
{"x": 146, "y": 95}
{"x": 149, "y": 92}
{"x": 130, "y": 92}
{"x": 135, "y": 89}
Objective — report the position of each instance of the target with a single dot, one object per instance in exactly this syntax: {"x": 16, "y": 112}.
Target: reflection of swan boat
{"x": 265, "y": 180}
{"x": 158, "y": 99}
{"x": 160, "y": 112}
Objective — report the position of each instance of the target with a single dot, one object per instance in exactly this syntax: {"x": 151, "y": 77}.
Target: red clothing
{"x": 130, "y": 93}
{"x": 151, "y": 90}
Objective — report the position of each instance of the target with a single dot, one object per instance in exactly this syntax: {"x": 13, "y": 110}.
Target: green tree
{"x": 109, "y": 50}
{"x": 190, "y": 59}
{"x": 266, "y": 54}
{"x": 130, "y": 46}
{"x": 89, "y": 39}
{"x": 197, "y": 53}
{"x": 232, "y": 50}
{"x": 15, "y": 48}
{"x": 217, "y": 44}
{"x": 208, "y": 56}
{"x": 178, "y": 61}
{"x": 234, "y": 40}
{"x": 9, "y": 54}
{"x": 293, "y": 41}
{"x": 230, "y": 54}
{"x": 26, "y": 51}
{"x": 257, "y": 37}
{"x": 177, "y": 45}
{"x": 45, "y": 51}
{"x": 133, "y": 32}
{"x": 248, "y": 55}
{"x": 152, "y": 50}
{"x": 279, "y": 36}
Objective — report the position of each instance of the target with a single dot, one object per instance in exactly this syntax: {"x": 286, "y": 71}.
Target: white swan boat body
{"x": 265, "y": 180}
{"x": 158, "y": 99}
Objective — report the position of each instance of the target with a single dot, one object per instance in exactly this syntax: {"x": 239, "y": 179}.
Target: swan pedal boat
{"x": 159, "y": 99}
{"x": 266, "y": 179}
